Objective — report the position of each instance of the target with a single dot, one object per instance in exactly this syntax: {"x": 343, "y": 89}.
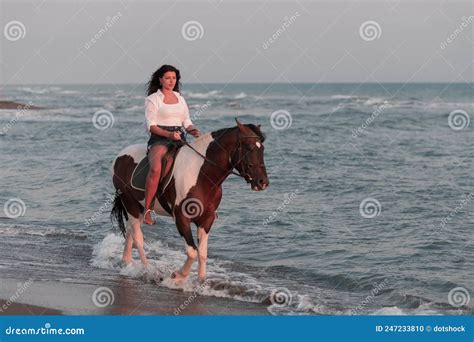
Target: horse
{"x": 193, "y": 191}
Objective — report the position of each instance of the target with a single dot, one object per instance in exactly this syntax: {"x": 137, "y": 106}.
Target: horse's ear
{"x": 241, "y": 127}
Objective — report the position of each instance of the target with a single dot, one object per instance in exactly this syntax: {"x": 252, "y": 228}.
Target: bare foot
{"x": 126, "y": 262}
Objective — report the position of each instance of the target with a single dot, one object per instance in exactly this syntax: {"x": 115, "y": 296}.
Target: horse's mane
{"x": 254, "y": 128}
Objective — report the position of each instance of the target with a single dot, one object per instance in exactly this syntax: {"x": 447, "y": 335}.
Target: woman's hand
{"x": 175, "y": 136}
{"x": 193, "y": 131}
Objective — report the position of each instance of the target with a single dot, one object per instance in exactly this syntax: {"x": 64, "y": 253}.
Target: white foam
{"x": 372, "y": 101}
{"x": 389, "y": 311}
{"x": 209, "y": 95}
{"x": 135, "y": 109}
{"x": 240, "y": 96}
{"x": 343, "y": 97}
{"x": 221, "y": 282}
{"x": 35, "y": 230}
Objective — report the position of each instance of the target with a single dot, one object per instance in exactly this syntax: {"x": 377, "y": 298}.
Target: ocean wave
{"x": 135, "y": 109}
{"x": 38, "y": 230}
{"x": 221, "y": 280}
{"x": 343, "y": 97}
{"x": 209, "y": 95}
{"x": 38, "y": 90}
{"x": 240, "y": 96}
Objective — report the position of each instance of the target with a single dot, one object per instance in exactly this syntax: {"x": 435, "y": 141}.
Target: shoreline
{"x": 70, "y": 298}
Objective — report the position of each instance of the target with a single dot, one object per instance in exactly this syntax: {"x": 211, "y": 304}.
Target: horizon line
{"x": 241, "y": 83}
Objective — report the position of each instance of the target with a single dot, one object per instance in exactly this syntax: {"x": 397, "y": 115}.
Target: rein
{"x": 239, "y": 149}
{"x": 210, "y": 161}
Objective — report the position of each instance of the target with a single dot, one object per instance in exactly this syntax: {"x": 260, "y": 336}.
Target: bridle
{"x": 244, "y": 167}
{"x": 245, "y": 164}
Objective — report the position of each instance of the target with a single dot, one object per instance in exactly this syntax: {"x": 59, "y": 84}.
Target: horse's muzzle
{"x": 260, "y": 184}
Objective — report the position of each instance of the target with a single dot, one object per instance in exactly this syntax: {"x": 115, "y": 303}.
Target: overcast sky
{"x": 229, "y": 41}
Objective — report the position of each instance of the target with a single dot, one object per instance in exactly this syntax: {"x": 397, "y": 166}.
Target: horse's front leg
{"x": 202, "y": 252}
{"x": 184, "y": 228}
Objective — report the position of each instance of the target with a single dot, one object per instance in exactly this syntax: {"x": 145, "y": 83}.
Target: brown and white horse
{"x": 194, "y": 191}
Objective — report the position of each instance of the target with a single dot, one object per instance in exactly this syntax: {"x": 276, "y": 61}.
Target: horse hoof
{"x": 178, "y": 276}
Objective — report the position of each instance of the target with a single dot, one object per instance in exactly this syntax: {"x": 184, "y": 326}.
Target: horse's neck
{"x": 223, "y": 150}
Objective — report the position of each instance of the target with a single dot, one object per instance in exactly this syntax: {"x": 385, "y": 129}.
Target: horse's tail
{"x": 118, "y": 212}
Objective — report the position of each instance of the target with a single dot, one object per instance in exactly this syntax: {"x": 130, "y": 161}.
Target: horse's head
{"x": 249, "y": 156}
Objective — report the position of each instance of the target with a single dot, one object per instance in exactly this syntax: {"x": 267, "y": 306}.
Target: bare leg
{"x": 154, "y": 158}
{"x": 202, "y": 251}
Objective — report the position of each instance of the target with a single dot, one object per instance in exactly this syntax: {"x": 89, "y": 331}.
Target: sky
{"x": 79, "y": 41}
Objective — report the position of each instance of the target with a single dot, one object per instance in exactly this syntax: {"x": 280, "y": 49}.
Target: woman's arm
{"x": 187, "y": 123}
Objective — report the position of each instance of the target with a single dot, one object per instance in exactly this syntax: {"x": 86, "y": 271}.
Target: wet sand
{"x": 63, "y": 298}
{"x": 15, "y": 309}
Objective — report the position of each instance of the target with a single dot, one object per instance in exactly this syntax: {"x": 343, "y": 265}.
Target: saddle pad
{"x": 139, "y": 174}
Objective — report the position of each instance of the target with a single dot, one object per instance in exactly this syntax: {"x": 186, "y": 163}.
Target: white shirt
{"x": 159, "y": 113}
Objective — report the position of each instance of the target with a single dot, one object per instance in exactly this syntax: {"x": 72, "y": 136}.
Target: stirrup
{"x": 152, "y": 221}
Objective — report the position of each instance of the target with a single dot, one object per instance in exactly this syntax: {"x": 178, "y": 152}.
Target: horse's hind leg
{"x": 137, "y": 237}
{"x": 127, "y": 250}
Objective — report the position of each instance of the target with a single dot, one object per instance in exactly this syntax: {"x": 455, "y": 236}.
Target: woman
{"x": 166, "y": 112}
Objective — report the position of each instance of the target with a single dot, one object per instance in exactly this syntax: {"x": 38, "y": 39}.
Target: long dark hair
{"x": 155, "y": 84}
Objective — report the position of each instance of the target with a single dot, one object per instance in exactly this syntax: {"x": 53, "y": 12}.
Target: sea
{"x": 369, "y": 210}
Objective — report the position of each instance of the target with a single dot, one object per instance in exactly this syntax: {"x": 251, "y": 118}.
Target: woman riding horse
{"x": 166, "y": 112}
